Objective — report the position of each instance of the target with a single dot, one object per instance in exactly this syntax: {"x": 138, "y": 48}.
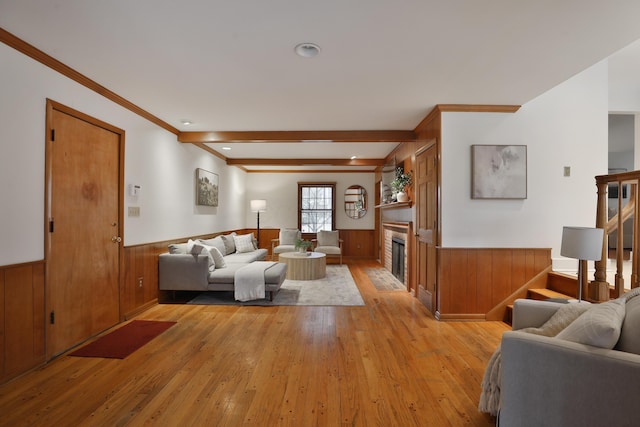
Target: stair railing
{"x": 599, "y": 289}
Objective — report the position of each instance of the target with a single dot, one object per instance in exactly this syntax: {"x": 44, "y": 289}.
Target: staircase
{"x": 559, "y": 285}
{"x": 626, "y": 211}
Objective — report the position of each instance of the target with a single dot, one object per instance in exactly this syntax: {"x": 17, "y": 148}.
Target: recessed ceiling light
{"x": 354, "y": 157}
{"x": 226, "y": 148}
{"x": 186, "y": 122}
{"x": 307, "y": 50}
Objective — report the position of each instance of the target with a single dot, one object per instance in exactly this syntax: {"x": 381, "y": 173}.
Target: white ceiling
{"x": 230, "y": 65}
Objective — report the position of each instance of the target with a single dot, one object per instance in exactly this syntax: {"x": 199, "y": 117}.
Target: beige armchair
{"x": 329, "y": 243}
{"x": 285, "y": 242}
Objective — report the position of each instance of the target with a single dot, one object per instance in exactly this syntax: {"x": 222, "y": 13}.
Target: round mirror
{"x": 355, "y": 201}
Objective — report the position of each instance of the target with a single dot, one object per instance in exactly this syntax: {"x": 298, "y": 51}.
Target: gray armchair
{"x": 547, "y": 381}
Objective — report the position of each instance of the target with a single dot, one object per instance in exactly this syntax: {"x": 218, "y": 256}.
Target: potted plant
{"x": 302, "y": 245}
{"x": 400, "y": 183}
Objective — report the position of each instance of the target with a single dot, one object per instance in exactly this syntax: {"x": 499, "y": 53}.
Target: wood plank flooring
{"x": 388, "y": 363}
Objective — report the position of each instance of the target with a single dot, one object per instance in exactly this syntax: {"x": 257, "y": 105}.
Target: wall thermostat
{"x": 134, "y": 190}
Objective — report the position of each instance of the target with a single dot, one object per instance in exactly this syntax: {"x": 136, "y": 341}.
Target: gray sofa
{"x": 180, "y": 270}
{"x": 549, "y": 381}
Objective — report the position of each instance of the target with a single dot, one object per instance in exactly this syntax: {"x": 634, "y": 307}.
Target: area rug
{"x": 383, "y": 280}
{"x": 125, "y": 340}
{"x": 337, "y": 288}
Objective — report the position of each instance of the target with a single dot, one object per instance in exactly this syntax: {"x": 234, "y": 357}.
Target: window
{"x": 316, "y": 207}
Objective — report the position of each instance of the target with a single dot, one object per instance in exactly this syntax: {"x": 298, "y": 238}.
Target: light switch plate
{"x": 134, "y": 211}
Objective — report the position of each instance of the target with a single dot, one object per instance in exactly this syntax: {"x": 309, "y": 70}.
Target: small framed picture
{"x": 499, "y": 172}
{"x": 206, "y": 188}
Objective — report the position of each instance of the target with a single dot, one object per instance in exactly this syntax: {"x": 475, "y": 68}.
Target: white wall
{"x": 566, "y": 126}
{"x": 153, "y": 159}
{"x": 281, "y": 192}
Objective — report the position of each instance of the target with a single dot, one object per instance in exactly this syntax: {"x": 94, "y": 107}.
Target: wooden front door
{"x": 426, "y": 215}
{"x": 83, "y": 227}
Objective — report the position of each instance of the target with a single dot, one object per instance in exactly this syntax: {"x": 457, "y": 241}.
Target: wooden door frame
{"x": 52, "y": 106}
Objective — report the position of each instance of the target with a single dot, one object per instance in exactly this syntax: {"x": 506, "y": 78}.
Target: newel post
{"x": 599, "y": 288}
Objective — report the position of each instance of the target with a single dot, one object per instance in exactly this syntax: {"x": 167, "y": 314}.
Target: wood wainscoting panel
{"x": 140, "y": 287}
{"x": 22, "y": 318}
{"x": 358, "y": 243}
{"x": 472, "y": 281}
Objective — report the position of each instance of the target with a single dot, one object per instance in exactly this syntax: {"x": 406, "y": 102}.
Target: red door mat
{"x": 125, "y": 340}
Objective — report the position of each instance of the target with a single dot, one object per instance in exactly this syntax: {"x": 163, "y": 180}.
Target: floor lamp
{"x": 258, "y": 206}
{"x": 583, "y": 244}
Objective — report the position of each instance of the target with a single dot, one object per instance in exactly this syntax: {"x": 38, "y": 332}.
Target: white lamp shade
{"x": 258, "y": 205}
{"x": 582, "y": 243}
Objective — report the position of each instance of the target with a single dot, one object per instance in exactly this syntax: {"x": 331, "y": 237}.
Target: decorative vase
{"x": 402, "y": 196}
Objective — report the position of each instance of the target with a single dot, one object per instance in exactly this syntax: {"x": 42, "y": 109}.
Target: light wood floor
{"x": 386, "y": 364}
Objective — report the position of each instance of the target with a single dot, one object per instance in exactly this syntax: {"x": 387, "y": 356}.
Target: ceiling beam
{"x": 49, "y": 61}
{"x": 305, "y": 162}
{"x": 210, "y": 150}
{"x": 331, "y": 171}
{"x": 300, "y": 136}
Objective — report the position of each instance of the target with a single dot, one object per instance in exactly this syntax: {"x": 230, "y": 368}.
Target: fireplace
{"x": 395, "y": 249}
{"x": 397, "y": 258}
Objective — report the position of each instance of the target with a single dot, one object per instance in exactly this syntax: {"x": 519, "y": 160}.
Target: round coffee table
{"x": 305, "y": 266}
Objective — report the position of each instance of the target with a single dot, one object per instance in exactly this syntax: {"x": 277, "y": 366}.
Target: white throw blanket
{"x": 490, "y": 396}
{"x": 249, "y": 282}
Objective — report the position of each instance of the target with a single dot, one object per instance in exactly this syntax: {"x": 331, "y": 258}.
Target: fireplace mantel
{"x": 401, "y": 226}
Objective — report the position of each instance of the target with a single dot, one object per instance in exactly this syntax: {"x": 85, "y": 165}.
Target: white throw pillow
{"x": 218, "y": 258}
{"x": 198, "y": 248}
{"x": 244, "y": 243}
{"x": 190, "y": 245}
{"x": 599, "y": 326}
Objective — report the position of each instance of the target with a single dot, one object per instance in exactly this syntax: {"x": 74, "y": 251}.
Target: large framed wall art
{"x": 498, "y": 171}
{"x": 206, "y": 188}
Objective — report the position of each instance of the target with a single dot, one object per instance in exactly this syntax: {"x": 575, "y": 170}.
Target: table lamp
{"x": 583, "y": 244}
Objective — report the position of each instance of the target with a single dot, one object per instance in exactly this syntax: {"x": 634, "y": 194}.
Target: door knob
{"x": 116, "y": 239}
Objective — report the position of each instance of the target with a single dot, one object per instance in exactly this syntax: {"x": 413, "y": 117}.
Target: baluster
{"x": 633, "y": 198}
{"x": 619, "y": 278}
{"x": 599, "y": 288}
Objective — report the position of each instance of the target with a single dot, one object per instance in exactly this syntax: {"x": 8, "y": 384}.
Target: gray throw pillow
{"x": 178, "y": 248}
{"x": 216, "y": 242}
{"x": 229, "y": 243}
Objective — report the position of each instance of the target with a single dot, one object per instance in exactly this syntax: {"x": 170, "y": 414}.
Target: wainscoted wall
{"x": 21, "y": 318}
{"x": 355, "y": 243}
{"x": 473, "y": 281}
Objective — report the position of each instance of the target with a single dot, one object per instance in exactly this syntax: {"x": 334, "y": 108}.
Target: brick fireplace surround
{"x": 398, "y": 230}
